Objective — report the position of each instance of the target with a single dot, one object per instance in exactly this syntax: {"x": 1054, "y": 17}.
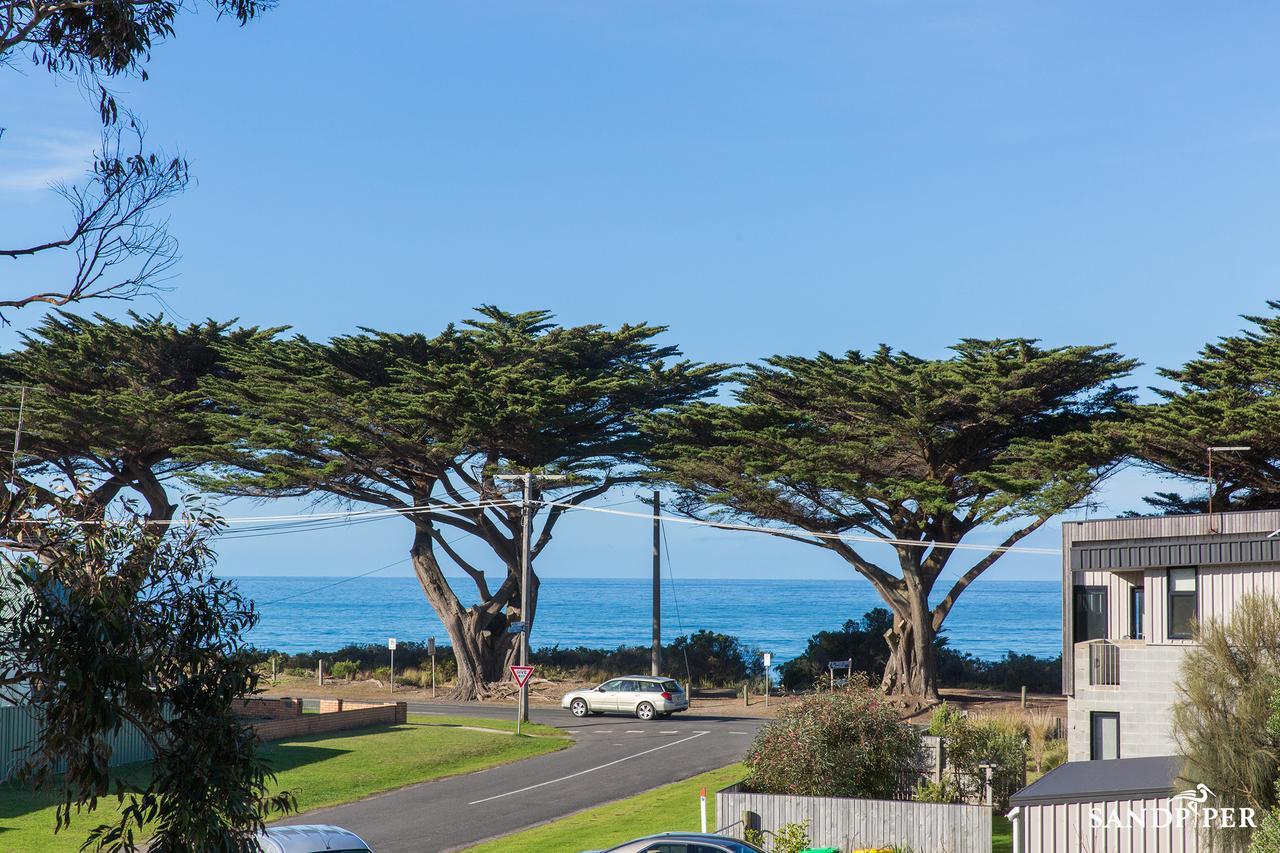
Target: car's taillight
{"x": 666, "y": 695}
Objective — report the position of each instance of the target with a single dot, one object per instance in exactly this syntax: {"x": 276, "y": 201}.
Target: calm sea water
{"x": 301, "y": 614}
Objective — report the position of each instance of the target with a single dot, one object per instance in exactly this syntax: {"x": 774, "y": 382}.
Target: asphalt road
{"x": 612, "y": 757}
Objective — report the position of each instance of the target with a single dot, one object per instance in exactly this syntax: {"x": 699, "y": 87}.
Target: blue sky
{"x": 760, "y": 176}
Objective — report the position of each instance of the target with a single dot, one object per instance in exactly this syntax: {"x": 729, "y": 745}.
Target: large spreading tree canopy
{"x": 112, "y": 616}
{"x": 421, "y": 425}
{"x": 1228, "y": 396}
{"x": 917, "y": 453}
{"x": 107, "y": 403}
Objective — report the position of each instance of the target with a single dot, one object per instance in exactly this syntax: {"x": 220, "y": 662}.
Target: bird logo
{"x": 1199, "y": 794}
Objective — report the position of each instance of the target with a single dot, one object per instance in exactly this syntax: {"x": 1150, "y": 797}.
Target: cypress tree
{"x": 421, "y": 425}
{"x": 917, "y": 453}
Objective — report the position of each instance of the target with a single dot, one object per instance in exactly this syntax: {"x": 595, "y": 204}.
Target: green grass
{"x": 322, "y": 770}
{"x": 671, "y": 808}
{"x": 1001, "y": 834}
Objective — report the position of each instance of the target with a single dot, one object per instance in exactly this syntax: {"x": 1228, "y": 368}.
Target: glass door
{"x": 1090, "y": 613}
{"x": 1137, "y": 612}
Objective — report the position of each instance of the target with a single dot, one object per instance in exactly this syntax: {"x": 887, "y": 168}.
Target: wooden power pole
{"x": 655, "y": 653}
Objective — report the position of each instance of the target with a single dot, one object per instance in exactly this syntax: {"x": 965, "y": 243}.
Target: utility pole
{"x": 526, "y": 571}
{"x": 655, "y": 653}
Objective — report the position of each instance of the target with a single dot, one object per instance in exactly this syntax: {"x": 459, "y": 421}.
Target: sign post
{"x": 391, "y": 644}
{"x": 832, "y": 666}
{"x": 768, "y": 661}
{"x": 702, "y": 804}
{"x": 431, "y": 650}
{"x": 521, "y": 675}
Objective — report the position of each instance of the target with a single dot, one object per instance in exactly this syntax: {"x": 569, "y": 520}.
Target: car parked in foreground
{"x": 643, "y": 696}
{"x": 682, "y": 842}
{"x": 310, "y": 838}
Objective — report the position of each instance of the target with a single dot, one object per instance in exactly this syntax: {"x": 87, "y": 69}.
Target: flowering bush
{"x": 848, "y": 744}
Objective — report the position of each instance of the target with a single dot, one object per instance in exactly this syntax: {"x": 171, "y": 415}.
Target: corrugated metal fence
{"x": 20, "y": 729}
{"x": 852, "y": 824}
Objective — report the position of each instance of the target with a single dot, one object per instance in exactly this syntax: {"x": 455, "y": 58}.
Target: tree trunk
{"x": 912, "y": 668}
{"x": 482, "y": 648}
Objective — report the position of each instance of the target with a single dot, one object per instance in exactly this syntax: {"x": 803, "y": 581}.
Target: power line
{"x": 306, "y": 518}
{"x": 338, "y": 583}
{"x": 675, "y": 600}
{"x": 844, "y": 537}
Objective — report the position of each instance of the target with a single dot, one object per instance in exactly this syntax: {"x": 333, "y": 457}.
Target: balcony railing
{"x": 1104, "y": 663}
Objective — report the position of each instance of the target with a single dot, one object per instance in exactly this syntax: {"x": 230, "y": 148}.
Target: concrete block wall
{"x": 1144, "y": 697}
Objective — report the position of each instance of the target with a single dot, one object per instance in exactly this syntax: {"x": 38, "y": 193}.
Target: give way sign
{"x": 521, "y": 674}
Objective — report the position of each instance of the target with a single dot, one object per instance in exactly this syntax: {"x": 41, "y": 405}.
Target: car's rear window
{"x": 672, "y": 687}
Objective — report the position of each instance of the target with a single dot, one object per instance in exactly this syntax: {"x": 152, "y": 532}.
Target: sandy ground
{"x": 548, "y": 694}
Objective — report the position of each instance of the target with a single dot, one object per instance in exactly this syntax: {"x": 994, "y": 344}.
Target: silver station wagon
{"x": 643, "y": 696}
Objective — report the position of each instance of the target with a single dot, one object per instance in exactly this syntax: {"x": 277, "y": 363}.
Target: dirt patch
{"x": 545, "y": 694}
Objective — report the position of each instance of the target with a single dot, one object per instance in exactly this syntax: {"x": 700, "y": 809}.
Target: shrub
{"x": 1220, "y": 722}
{"x": 845, "y": 744}
{"x": 347, "y": 669}
{"x": 299, "y": 672}
{"x": 1055, "y": 754}
{"x": 1041, "y": 726}
{"x": 714, "y": 660}
{"x": 974, "y": 741}
{"x": 863, "y": 642}
{"x": 935, "y": 792}
{"x": 789, "y": 838}
{"x": 860, "y": 641}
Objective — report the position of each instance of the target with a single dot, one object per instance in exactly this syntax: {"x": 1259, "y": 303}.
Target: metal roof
{"x": 1094, "y": 781}
{"x": 1211, "y": 550}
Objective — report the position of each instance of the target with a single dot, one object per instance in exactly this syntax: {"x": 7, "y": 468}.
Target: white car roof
{"x": 313, "y": 838}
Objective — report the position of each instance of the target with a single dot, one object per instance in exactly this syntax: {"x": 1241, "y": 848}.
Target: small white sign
{"x": 391, "y": 643}
{"x": 768, "y": 659}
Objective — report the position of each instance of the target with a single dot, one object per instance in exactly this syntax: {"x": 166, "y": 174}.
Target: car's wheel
{"x": 578, "y": 707}
{"x": 645, "y": 711}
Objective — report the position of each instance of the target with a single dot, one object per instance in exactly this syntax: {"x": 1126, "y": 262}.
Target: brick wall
{"x": 349, "y": 717}
{"x": 261, "y": 708}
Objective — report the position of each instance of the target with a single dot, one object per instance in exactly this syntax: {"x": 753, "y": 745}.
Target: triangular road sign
{"x": 521, "y": 674}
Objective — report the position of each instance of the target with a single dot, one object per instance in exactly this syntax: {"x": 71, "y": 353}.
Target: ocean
{"x": 302, "y": 614}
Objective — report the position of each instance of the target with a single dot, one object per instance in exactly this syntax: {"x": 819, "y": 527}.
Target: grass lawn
{"x": 1001, "y": 835}
{"x": 670, "y": 808}
{"x": 322, "y": 770}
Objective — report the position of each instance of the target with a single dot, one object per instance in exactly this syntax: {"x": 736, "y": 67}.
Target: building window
{"x": 1090, "y": 613}
{"x": 1182, "y": 602}
{"x": 1137, "y": 611}
{"x": 1104, "y": 735}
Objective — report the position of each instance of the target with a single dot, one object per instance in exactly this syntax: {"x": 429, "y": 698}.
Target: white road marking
{"x": 739, "y": 733}
{"x": 634, "y": 731}
{"x": 588, "y": 770}
{"x": 604, "y": 731}
{"x": 673, "y": 732}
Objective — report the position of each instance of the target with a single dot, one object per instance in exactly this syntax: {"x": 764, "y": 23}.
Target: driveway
{"x": 611, "y": 758}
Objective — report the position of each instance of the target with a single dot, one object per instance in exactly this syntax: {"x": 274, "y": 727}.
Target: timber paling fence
{"x": 851, "y": 824}
{"x": 20, "y": 730}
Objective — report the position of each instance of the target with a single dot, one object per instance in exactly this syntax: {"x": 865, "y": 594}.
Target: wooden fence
{"x": 852, "y": 824}
{"x": 20, "y": 730}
